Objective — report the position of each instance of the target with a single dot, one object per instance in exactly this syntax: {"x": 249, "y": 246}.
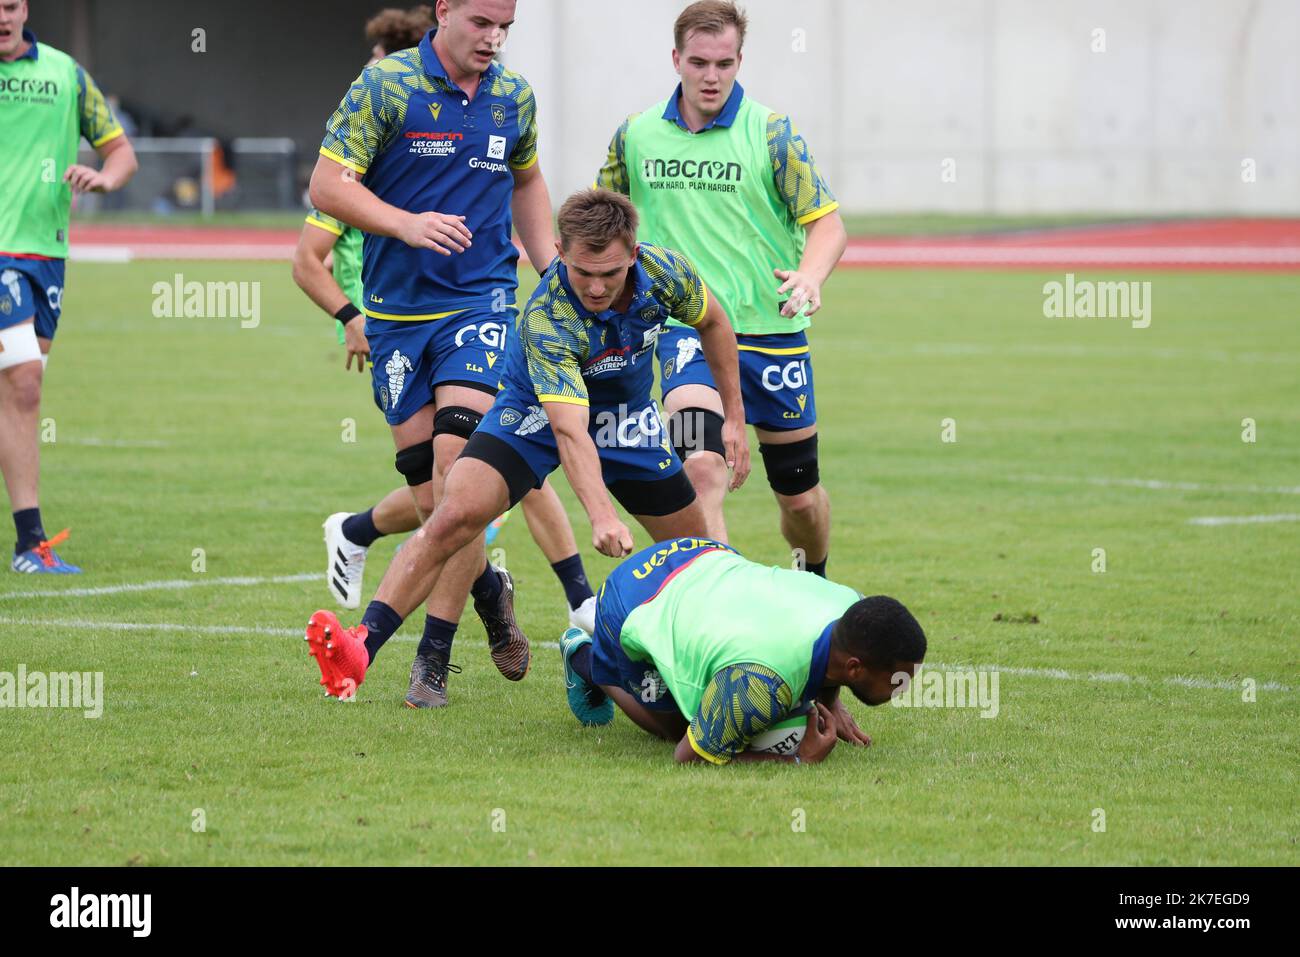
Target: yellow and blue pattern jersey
{"x": 562, "y": 352}
{"x": 741, "y": 701}
{"x": 794, "y": 171}
{"x": 613, "y": 175}
{"x": 419, "y": 143}
{"x": 97, "y": 122}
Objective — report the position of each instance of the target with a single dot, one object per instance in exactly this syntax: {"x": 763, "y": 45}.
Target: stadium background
{"x": 1011, "y": 90}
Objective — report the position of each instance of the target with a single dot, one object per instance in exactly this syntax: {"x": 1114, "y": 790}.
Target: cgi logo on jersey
{"x": 793, "y": 375}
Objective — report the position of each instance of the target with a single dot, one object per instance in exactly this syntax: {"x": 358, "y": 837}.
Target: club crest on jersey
{"x": 509, "y": 417}
{"x": 650, "y": 314}
{"x": 498, "y": 114}
{"x": 669, "y": 368}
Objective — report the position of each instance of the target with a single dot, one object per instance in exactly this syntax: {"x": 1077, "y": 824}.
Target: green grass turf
{"x": 230, "y": 441}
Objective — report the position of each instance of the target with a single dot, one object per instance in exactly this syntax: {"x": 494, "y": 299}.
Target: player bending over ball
{"x": 575, "y": 392}
{"x": 702, "y": 647}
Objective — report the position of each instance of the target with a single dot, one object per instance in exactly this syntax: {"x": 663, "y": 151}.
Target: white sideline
{"x": 176, "y": 583}
{"x": 1159, "y": 485}
{"x": 1058, "y": 674}
{"x": 1242, "y": 519}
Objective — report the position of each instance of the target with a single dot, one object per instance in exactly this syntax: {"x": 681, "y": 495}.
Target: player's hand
{"x": 802, "y": 290}
{"x": 819, "y": 736}
{"x": 354, "y": 338}
{"x": 84, "y": 179}
{"x": 736, "y": 443}
{"x": 437, "y": 231}
{"x": 612, "y": 538}
{"x": 846, "y": 728}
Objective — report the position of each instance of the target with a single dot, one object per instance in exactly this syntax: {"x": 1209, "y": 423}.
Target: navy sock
{"x": 381, "y": 622}
{"x": 818, "y": 568}
{"x": 487, "y": 587}
{"x": 438, "y": 636}
{"x": 359, "y": 529}
{"x": 580, "y": 662}
{"x": 30, "y": 531}
{"x": 573, "y": 578}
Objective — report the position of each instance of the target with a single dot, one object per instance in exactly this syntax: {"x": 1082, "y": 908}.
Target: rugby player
{"x": 47, "y": 104}
{"x": 702, "y": 647}
{"x": 731, "y": 184}
{"x": 432, "y": 154}
{"x": 575, "y": 392}
{"x": 337, "y": 289}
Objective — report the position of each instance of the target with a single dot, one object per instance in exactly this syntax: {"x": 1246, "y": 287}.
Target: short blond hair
{"x": 709, "y": 16}
{"x": 596, "y": 218}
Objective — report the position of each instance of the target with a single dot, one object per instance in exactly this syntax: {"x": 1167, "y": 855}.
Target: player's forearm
{"x": 581, "y": 464}
{"x": 531, "y": 208}
{"x": 338, "y": 192}
{"x": 119, "y": 163}
{"x": 825, "y": 245}
{"x": 317, "y": 282}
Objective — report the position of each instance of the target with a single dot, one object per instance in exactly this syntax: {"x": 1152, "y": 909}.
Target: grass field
{"x": 1120, "y": 691}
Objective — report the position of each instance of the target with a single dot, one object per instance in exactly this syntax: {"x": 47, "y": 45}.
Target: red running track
{"x": 1218, "y": 244}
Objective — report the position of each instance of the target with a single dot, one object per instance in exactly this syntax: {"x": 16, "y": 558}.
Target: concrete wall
{"x": 1009, "y": 98}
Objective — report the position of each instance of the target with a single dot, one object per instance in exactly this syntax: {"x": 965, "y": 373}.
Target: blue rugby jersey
{"x": 559, "y": 351}
{"x": 419, "y": 143}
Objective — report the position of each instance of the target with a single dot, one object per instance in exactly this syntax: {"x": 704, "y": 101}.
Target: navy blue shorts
{"x": 632, "y": 444}
{"x": 636, "y": 580}
{"x": 31, "y": 289}
{"x": 411, "y": 359}
{"x": 776, "y": 378}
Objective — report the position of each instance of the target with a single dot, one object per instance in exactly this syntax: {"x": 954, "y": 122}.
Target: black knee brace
{"x": 416, "y": 463}
{"x": 456, "y": 420}
{"x": 693, "y": 430}
{"x": 792, "y": 468}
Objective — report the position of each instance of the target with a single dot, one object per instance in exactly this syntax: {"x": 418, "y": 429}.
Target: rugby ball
{"x": 786, "y": 735}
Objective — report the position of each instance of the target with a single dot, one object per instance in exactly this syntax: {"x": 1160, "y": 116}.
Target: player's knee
{"x": 23, "y": 387}
{"x": 791, "y": 468}
{"x": 693, "y": 430}
{"x": 708, "y": 473}
{"x": 415, "y": 463}
{"x": 805, "y": 506}
{"x": 457, "y": 422}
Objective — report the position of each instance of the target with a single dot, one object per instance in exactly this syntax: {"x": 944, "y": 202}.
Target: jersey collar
{"x": 724, "y": 119}
{"x": 821, "y": 656}
{"x": 640, "y": 288}
{"x": 434, "y": 69}
{"x": 33, "y": 53}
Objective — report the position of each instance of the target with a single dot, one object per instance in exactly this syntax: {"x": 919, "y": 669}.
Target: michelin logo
{"x": 9, "y": 278}
{"x": 397, "y": 367}
{"x": 534, "y": 421}
{"x": 686, "y": 349}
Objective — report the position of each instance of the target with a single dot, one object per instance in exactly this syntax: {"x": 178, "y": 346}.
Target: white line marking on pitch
{"x": 1242, "y": 519}
{"x": 1058, "y": 674}
{"x": 175, "y": 583}
{"x": 1159, "y": 485}
{"x": 114, "y": 443}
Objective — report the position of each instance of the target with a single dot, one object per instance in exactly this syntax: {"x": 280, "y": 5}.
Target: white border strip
{"x": 1243, "y": 519}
